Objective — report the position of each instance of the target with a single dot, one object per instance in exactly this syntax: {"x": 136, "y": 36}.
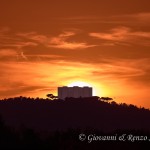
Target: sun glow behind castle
{"x": 79, "y": 83}
{"x": 84, "y": 84}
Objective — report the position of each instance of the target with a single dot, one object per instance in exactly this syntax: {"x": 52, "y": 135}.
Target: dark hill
{"x": 82, "y": 113}
{"x": 68, "y": 124}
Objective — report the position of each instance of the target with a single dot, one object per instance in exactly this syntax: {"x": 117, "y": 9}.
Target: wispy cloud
{"x": 29, "y": 77}
{"x": 27, "y": 46}
{"x": 38, "y": 38}
{"x": 134, "y": 19}
{"x": 12, "y": 55}
{"x": 123, "y": 34}
{"x": 12, "y": 41}
{"x": 8, "y": 52}
{"x": 61, "y": 41}
{"x": 86, "y": 20}
{"x": 44, "y": 75}
{"x": 123, "y": 68}
{"x": 140, "y": 18}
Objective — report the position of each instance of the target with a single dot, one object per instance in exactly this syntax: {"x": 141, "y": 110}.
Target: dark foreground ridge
{"x": 82, "y": 123}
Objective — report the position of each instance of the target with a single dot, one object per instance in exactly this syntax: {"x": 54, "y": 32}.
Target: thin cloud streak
{"x": 123, "y": 34}
{"x": 138, "y": 18}
{"x": 42, "y": 75}
{"x": 142, "y": 18}
{"x": 60, "y": 41}
{"x": 8, "y": 52}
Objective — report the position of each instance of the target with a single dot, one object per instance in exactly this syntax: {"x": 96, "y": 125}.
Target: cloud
{"x": 19, "y": 47}
{"x": 31, "y": 77}
{"x": 84, "y": 20}
{"x": 40, "y": 57}
{"x": 8, "y": 52}
{"x": 117, "y": 34}
{"x": 135, "y": 20}
{"x": 67, "y": 45}
{"x": 12, "y": 41}
{"x": 122, "y": 68}
{"x": 19, "y": 90}
{"x": 141, "y": 18}
{"x": 60, "y": 41}
{"x": 38, "y": 38}
{"x": 124, "y": 34}
{"x": 11, "y": 55}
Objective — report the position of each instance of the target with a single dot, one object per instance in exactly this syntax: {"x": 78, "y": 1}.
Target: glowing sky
{"x": 49, "y": 43}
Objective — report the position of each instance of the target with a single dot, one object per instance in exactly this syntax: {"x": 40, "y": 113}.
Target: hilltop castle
{"x": 74, "y": 91}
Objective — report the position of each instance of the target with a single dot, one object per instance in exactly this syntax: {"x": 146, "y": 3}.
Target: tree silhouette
{"x": 106, "y": 98}
{"x": 51, "y": 96}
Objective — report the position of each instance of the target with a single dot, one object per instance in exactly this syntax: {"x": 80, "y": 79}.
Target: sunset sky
{"x": 49, "y": 43}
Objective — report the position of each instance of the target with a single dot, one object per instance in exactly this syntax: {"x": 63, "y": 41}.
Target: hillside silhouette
{"x": 27, "y": 122}
{"x": 73, "y": 113}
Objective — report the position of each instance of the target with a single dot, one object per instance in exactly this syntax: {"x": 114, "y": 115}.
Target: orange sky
{"x": 49, "y": 43}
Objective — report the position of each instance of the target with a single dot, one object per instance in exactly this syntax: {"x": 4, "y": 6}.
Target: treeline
{"x": 46, "y": 124}
{"x": 44, "y": 114}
